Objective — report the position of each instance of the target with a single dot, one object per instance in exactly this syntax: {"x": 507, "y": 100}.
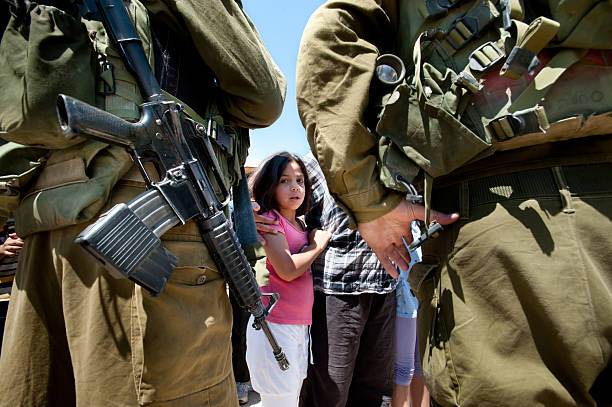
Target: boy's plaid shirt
{"x": 348, "y": 265}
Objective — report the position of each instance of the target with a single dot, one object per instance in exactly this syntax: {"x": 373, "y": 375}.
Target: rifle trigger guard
{"x": 272, "y": 302}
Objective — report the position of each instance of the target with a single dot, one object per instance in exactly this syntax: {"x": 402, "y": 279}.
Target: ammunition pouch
{"x": 44, "y": 53}
{"x": 481, "y": 80}
{"x": 18, "y": 167}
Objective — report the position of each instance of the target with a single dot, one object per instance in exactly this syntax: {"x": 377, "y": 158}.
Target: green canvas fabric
{"x": 80, "y": 337}
{"x": 72, "y": 189}
{"x": 333, "y": 87}
{"x": 114, "y": 344}
{"x": 45, "y": 53}
{"x": 18, "y": 166}
{"x": 513, "y": 301}
{"x": 514, "y": 297}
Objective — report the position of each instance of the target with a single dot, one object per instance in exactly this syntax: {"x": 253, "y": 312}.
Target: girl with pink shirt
{"x": 282, "y": 189}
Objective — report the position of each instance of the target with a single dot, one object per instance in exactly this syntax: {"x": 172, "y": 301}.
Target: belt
{"x": 543, "y": 182}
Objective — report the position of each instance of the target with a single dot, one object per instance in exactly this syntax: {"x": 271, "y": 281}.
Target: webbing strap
{"x": 510, "y": 125}
{"x": 416, "y": 59}
{"x": 546, "y": 78}
{"x": 435, "y": 9}
{"x": 477, "y": 18}
{"x": 427, "y": 198}
{"x": 530, "y": 41}
{"x": 416, "y": 55}
{"x": 525, "y": 115}
{"x": 466, "y": 27}
{"x": 485, "y": 56}
{"x": 468, "y": 81}
{"x": 481, "y": 59}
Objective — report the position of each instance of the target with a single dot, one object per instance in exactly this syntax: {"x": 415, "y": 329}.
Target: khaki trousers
{"x": 77, "y": 336}
{"x": 515, "y": 301}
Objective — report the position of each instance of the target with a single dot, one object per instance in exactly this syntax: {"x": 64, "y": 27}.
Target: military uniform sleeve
{"x": 253, "y": 86}
{"x": 335, "y": 66}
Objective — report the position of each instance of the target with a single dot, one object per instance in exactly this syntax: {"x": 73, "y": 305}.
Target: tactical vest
{"x": 50, "y": 51}
{"x": 492, "y": 75}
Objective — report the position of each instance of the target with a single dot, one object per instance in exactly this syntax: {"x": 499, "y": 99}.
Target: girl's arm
{"x": 290, "y": 266}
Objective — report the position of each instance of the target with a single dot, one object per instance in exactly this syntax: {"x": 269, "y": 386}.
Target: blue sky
{"x": 280, "y": 23}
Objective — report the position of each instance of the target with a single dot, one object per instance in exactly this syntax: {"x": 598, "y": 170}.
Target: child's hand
{"x": 319, "y": 238}
{"x": 11, "y": 246}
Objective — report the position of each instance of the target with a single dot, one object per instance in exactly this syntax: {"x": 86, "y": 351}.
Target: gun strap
{"x": 243, "y": 212}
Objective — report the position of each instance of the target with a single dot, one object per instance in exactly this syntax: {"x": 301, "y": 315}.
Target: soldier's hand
{"x": 386, "y": 235}
{"x": 262, "y": 223}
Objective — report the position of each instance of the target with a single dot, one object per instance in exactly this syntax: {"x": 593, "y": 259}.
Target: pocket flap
{"x": 421, "y": 271}
{"x": 62, "y": 173}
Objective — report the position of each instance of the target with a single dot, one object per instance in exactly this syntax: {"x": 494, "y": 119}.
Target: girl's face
{"x": 289, "y": 193}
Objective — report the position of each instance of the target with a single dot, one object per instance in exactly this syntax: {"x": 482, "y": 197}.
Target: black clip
{"x": 432, "y": 232}
{"x": 106, "y": 71}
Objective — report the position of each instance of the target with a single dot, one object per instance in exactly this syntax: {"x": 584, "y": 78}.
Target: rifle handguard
{"x": 231, "y": 261}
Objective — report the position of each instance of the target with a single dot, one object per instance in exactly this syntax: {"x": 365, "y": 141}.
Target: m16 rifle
{"x": 126, "y": 239}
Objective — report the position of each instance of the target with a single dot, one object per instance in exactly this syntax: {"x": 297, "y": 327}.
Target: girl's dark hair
{"x": 263, "y": 182}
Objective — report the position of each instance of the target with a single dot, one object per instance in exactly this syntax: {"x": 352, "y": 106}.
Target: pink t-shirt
{"x": 294, "y": 306}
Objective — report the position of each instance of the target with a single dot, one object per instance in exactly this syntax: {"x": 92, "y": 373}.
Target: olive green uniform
{"x": 515, "y": 297}
{"x": 77, "y": 336}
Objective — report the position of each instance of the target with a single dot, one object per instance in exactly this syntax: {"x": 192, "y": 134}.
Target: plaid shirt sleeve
{"x": 348, "y": 265}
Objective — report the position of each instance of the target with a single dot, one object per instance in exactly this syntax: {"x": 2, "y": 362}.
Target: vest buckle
{"x": 485, "y": 56}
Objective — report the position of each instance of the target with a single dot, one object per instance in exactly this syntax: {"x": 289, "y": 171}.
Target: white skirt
{"x": 275, "y": 386}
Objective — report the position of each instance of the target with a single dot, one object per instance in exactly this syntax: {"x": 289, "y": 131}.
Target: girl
{"x": 281, "y": 187}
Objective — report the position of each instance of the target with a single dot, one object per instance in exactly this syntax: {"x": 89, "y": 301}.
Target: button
{"x": 201, "y": 279}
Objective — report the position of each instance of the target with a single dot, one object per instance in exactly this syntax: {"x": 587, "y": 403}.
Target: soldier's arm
{"x": 227, "y": 41}
{"x": 335, "y": 65}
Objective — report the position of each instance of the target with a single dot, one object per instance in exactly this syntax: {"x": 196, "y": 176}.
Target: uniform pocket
{"x": 181, "y": 338}
{"x": 437, "y": 363}
{"x": 18, "y": 167}
{"x": 72, "y": 190}
{"x": 46, "y": 53}
{"x": 426, "y": 128}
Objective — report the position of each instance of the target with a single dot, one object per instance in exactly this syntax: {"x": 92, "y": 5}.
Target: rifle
{"x": 126, "y": 238}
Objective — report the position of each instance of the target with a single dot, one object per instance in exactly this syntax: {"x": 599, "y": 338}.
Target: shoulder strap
{"x": 246, "y": 231}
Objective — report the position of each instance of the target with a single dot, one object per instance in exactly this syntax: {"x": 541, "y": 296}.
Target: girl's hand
{"x": 11, "y": 246}
{"x": 319, "y": 238}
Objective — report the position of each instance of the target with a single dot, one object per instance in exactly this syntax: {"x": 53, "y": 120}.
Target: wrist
{"x": 313, "y": 247}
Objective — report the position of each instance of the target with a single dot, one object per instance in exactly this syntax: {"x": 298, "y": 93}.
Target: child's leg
{"x": 419, "y": 395}
{"x": 270, "y": 400}
{"x": 277, "y": 387}
{"x": 405, "y": 350}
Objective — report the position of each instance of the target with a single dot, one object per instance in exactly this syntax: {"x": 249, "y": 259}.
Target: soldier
{"x": 491, "y": 121}
{"x": 75, "y": 335}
